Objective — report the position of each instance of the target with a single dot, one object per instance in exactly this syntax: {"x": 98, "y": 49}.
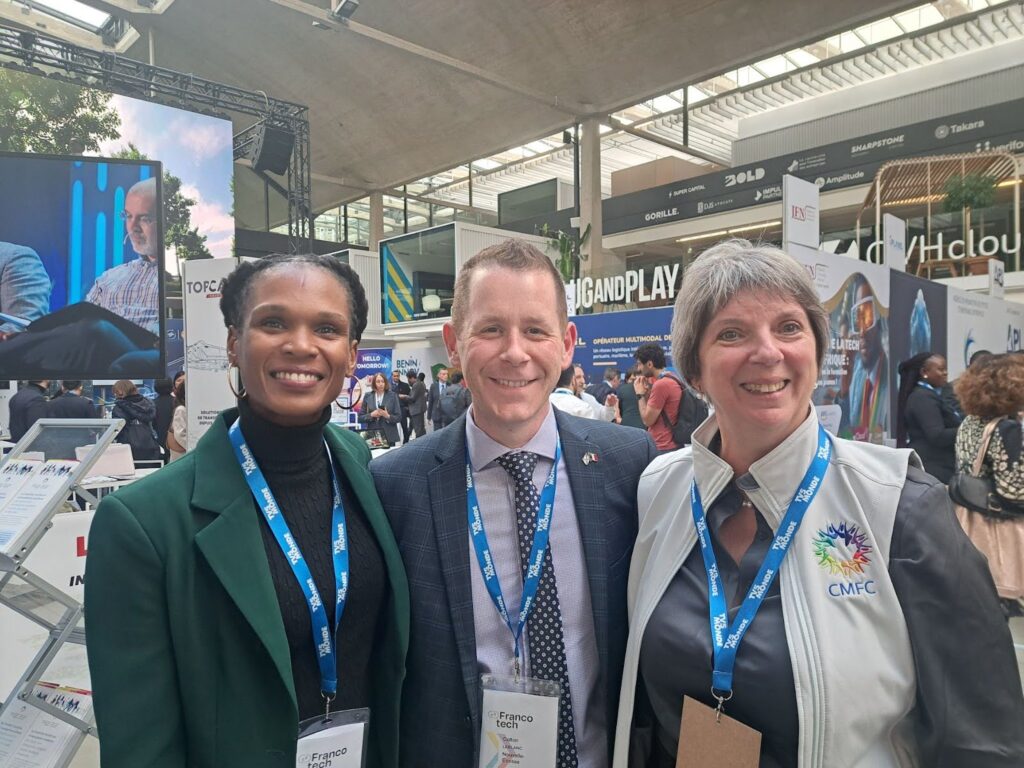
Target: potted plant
{"x": 568, "y": 247}
{"x": 963, "y": 193}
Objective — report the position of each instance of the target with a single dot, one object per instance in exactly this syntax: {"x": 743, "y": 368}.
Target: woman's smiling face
{"x": 758, "y": 367}
{"x": 293, "y": 350}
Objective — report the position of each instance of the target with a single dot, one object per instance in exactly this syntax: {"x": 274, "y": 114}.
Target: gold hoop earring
{"x": 240, "y": 393}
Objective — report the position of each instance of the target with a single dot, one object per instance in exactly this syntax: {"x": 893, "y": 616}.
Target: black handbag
{"x": 976, "y": 491}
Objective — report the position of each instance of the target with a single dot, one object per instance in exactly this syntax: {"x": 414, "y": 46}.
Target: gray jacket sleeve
{"x": 24, "y": 285}
{"x": 970, "y": 709}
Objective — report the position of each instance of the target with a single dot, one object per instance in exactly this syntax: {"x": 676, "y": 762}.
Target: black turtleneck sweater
{"x": 294, "y": 462}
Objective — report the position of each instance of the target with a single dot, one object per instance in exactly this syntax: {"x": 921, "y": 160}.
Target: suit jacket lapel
{"x": 587, "y": 483}
{"x": 233, "y": 546}
{"x": 447, "y": 483}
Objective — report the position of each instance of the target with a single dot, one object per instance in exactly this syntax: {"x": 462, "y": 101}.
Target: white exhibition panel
{"x": 974, "y": 322}
{"x": 59, "y": 559}
{"x": 206, "y": 356}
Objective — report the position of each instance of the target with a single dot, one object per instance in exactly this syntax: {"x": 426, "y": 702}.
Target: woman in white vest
{"x": 814, "y": 599}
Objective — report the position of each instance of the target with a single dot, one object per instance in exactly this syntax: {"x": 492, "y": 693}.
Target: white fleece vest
{"x": 852, "y": 663}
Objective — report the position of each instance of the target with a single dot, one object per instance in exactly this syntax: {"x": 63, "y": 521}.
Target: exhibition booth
{"x": 125, "y": 235}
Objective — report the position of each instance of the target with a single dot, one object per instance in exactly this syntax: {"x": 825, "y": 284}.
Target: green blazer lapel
{"x": 233, "y": 546}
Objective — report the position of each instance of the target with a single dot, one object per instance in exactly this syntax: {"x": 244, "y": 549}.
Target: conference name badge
{"x": 519, "y": 723}
{"x": 337, "y": 740}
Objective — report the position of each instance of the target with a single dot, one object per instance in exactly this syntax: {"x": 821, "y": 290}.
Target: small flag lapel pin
{"x": 590, "y": 456}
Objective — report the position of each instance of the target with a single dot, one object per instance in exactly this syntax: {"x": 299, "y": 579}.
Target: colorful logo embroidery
{"x": 842, "y": 550}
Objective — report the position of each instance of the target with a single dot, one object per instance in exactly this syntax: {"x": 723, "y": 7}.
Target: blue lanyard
{"x": 726, "y": 640}
{"x": 537, "y": 552}
{"x": 926, "y": 385}
{"x": 323, "y": 637}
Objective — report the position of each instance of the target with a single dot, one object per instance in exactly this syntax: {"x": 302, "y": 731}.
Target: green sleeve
{"x": 131, "y": 658}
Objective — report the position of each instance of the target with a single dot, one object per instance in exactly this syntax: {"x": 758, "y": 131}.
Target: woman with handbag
{"x": 381, "y": 410}
{"x": 177, "y": 433}
{"x": 989, "y": 451}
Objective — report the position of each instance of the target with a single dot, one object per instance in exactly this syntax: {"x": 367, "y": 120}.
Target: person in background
{"x": 992, "y": 390}
{"x": 629, "y": 402}
{"x": 803, "y": 553}
{"x": 609, "y": 384}
{"x": 563, "y": 397}
{"x": 70, "y": 404}
{"x": 402, "y": 389}
{"x": 164, "y": 402}
{"x": 27, "y": 407}
{"x": 510, "y": 336}
{"x": 656, "y": 394}
{"x": 381, "y": 409}
{"x": 177, "y": 432}
{"x": 437, "y": 389}
{"x": 24, "y": 288}
{"x": 949, "y": 397}
{"x": 139, "y": 415}
{"x": 417, "y": 403}
{"x": 193, "y": 577}
{"x": 607, "y": 411}
{"x": 456, "y": 399}
{"x": 926, "y": 422}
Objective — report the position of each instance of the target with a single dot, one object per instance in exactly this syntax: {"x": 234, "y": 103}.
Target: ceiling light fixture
{"x": 342, "y": 10}
{"x": 704, "y": 236}
{"x": 748, "y": 228}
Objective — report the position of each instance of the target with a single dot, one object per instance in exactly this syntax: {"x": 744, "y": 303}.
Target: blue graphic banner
{"x": 610, "y": 339}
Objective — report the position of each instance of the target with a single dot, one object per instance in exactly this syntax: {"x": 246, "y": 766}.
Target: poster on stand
{"x": 973, "y": 327}
{"x": 917, "y": 320}
{"x": 32, "y": 738}
{"x": 855, "y": 372}
{"x": 58, "y": 559}
{"x": 206, "y": 356}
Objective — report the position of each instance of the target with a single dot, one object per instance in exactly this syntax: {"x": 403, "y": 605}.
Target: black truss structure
{"x": 51, "y": 57}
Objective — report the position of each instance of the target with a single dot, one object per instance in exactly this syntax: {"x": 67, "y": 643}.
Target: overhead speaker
{"x": 273, "y": 150}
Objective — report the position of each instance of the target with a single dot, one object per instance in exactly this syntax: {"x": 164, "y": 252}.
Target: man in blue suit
{"x": 511, "y": 338}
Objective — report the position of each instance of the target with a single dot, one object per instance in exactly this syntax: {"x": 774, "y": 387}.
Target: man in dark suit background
{"x": 434, "y": 398}
{"x": 417, "y": 404}
{"x": 510, "y": 336}
{"x": 27, "y": 407}
{"x": 70, "y": 404}
{"x": 402, "y": 389}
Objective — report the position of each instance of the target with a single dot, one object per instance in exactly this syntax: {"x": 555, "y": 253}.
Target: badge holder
{"x": 519, "y": 722}
{"x": 334, "y": 740}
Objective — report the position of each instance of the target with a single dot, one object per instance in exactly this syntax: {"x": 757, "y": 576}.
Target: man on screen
{"x": 24, "y": 288}
{"x": 132, "y": 290}
{"x": 80, "y": 339}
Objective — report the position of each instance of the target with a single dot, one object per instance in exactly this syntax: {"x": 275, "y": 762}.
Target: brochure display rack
{"x": 36, "y": 479}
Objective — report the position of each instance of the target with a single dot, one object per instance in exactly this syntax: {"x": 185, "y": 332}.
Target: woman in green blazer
{"x": 199, "y": 616}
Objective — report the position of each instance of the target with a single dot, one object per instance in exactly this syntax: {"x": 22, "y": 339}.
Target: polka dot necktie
{"x": 547, "y": 644}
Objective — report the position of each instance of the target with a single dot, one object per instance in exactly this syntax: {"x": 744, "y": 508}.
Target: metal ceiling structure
{"x": 704, "y": 116}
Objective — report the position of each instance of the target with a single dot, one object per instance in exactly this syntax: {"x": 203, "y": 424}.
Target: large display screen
{"x": 81, "y": 268}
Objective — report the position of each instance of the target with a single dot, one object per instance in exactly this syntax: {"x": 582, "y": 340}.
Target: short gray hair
{"x": 720, "y": 273}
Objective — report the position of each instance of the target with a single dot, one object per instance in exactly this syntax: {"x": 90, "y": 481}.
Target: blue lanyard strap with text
{"x": 725, "y": 639}
{"x": 537, "y": 551}
{"x": 323, "y": 636}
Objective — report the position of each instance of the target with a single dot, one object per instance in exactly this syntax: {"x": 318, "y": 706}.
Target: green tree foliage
{"x": 178, "y": 230}
{"x": 38, "y": 114}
